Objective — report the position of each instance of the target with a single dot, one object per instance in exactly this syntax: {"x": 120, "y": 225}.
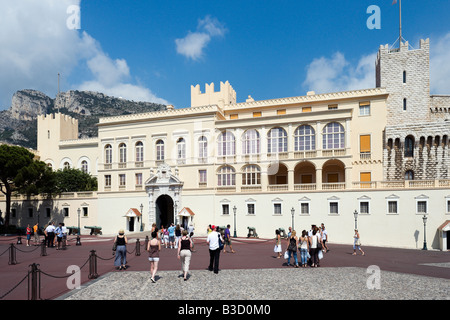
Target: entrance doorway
{"x": 164, "y": 211}
{"x": 131, "y": 224}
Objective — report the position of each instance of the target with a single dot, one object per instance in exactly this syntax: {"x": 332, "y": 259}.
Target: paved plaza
{"x": 252, "y": 273}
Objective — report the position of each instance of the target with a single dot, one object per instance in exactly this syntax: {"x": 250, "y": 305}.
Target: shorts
{"x": 59, "y": 239}
{"x": 155, "y": 259}
{"x": 28, "y": 236}
{"x": 228, "y": 242}
{"x": 171, "y": 239}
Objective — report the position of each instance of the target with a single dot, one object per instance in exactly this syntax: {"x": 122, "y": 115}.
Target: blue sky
{"x": 154, "y": 50}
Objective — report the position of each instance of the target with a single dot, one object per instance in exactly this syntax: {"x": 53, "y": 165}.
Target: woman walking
{"x": 357, "y": 243}
{"x": 153, "y": 248}
{"x": 304, "y": 248}
{"x": 120, "y": 262}
{"x": 277, "y": 248}
{"x": 184, "y": 253}
{"x": 292, "y": 248}
{"x": 314, "y": 240}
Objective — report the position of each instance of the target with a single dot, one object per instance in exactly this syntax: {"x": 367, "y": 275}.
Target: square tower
{"x": 405, "y": 74}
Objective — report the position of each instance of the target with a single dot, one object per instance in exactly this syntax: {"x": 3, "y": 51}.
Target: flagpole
{"x": 400, "y": 10}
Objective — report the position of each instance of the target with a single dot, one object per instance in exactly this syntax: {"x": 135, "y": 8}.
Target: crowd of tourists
{"x": 312, "y": 245}
{"x": 176, "y": 237}
{"x": 54, "y": 236}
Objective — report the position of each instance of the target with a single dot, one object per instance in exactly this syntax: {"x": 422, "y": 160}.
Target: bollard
{"x": 12, "y": 255}
{"x": 33, "y": 283}
{"x": 146, "y": 243}
{"x": 19, "y": 240}
{"x": 78, "y": 241}
{"x": 138, "y": 248}
{"x": 43, "y": 249}
{"x": 93, "y": 265}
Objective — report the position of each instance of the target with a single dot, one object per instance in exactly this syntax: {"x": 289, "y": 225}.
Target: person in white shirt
{"x": 50, "y": 233}
{"x": 324, "y": 238}
{"x": 214, "y": 249}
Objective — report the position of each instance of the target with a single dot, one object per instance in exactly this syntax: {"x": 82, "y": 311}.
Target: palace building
{"x": 381, "y": 152}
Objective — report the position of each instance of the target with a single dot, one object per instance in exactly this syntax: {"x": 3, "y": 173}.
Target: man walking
{"x": 324, "y": 238}
{"x": 50, "y": 233}
{"x": 227, "y": 236}
{"x": 214, "y": 250}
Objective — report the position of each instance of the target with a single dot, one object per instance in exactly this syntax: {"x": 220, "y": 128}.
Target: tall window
{"x": 226, "y": 176}
{"x": 277, "y": 140}
{"x": 404, "y": 76}
{"x": 333, "y": 136}
{"x": 409, "y": 146}
{"x": 305, "y": 138}
{"x": 250, "y": 142}
{"x": 364, "y": 108}
{"x": 108, "y": 181}
{"x": 138, "y": 179}
{"x": 122, "y": 180}
{"x": 226, "y": 144}
{"x": 251, "y": 175}
{"x": 122, "y": 153}
{"x": 404, "y": 104}
{"x": 409, "y": 175}
{"x": 108, "y": 154}
{"x": 139, "y": 151}
{"x": 159, "y": 150}
{"x": 84, "y": 166}
{"x": 202, "y": 147}
{"x": 181, "y": 150}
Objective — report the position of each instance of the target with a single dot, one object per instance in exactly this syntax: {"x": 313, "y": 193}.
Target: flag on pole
{"x": 394, "y": 2}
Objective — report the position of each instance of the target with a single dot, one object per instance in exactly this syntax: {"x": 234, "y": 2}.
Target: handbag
{"x": 286, "y": 254}
{"x": 114, "y": 248}
{"x": 358, "y": 242}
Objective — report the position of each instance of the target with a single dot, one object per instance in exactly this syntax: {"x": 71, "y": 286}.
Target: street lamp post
{"x": 293, "y": 214}
{"x": 355, "y": 214}
{"x": 142, "y": 209}
{"x": 424, "y": 218}
{"x": 78, "y": 243}
{"x": 234, "y": 211}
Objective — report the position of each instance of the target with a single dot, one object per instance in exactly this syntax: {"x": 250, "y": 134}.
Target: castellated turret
{"x": 53, "y": 128}
{"x": 405, "y": 74}
{"x": 225, "y": 96}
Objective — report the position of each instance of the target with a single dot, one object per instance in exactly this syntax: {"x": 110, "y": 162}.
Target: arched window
{"x": 108, "y": 154}
{"x": 333, "y": 136}
{"x": 251, "y": 175}
{"x": 181, "y": 150}
{"x": 277, "y": 140}
{"x": 409, "y": 175}
{"x": 139, "y": 151}
{"x": 226, "y": 176}
{"x": 409, "y": 147}
{"x": 122, "y": 153}
{"x": 202, "y": 147}
{"x": 226, "y": 144}
{"x": 84, "y": 166}
{"x": 250, "y": 142}
{"x": 305, "y": 138}
{"x": 66, "y": 165}
{"x": 159, "y": 150}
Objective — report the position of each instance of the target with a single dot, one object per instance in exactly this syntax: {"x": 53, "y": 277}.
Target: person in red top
{"x": 28, "y": 235}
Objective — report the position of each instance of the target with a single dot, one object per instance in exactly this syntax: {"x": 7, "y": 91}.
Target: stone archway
{"x": 164, "y": 196}
{"x": 164, "y": 211}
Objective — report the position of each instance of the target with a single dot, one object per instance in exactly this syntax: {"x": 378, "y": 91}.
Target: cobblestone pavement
{"x": 346, "y": 283}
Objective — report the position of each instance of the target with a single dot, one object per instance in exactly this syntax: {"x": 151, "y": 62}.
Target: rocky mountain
{"x": 18, "y": 124}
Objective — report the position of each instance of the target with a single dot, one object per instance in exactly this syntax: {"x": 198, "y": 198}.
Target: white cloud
{"x": 337, "y": 74}
{"x": 440, "y": 65}
{"x": 194, "y": 43}
{"x": 36, "y": 45}
{"x": 111, "y": 76}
